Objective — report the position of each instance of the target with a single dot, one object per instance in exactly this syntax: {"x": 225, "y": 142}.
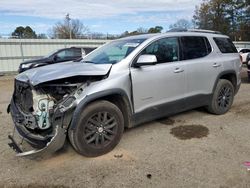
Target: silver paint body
{"x": 146, "y": 86}
{"x": 153, "y": 84}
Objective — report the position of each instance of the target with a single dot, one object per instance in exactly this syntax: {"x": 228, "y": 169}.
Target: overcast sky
{"x": 109, "y": 16}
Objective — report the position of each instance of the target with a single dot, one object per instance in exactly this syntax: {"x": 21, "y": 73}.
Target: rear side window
{"x": 225, "y": 45}
{"x": 77, "y": 52}
{"x": 195, "y": 47}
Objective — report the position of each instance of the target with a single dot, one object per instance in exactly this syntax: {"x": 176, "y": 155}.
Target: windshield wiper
{"x": 88, "y": 62}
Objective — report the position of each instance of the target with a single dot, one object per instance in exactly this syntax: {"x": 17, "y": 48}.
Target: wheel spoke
{"x": 107, "y": 137}
{"x": 105, "y": 116}
{"x": 89, "y": 134}
{"x": 221, "y": 92}
{"x": 99, "y": 117}
{"x": 109, "y": 131}
{"x": 94, "y": 122}
{"x": 219, "y": 100}
{"x": 91, "y": 127}
{"x": 102, "y": 139}
{"x": 227, "y": 101}
{"x": 110, "y": 126}
{"x": 92, "y": 139}
{"x": 222, "y": 103}
{"x": 227, "y": 91}
{"x": 220, "y": 97}
{"x": 97, "y": 139}
{"x": 109, "y": 121}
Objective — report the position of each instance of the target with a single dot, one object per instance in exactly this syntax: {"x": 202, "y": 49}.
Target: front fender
{"x": 90, "y": 98}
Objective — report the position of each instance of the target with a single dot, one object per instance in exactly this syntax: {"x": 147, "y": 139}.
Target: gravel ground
{"x": 191, "y": 149}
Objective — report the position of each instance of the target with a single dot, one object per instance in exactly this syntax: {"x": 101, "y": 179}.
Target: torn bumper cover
{"x": 38, "y": 144}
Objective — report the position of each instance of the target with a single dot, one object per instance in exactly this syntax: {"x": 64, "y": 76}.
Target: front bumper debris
{"x": 55, "y": 143}
{"x": 27, "y": 143}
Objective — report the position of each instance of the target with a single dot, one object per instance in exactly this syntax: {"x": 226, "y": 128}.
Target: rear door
{"x": 202, "y": 67}
{"x": 162, "y": 83}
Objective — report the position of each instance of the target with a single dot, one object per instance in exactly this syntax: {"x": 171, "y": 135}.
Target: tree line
{"x": 230, "y": 17}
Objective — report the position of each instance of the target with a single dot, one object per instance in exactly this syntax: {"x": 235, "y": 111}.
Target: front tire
{"x": 98, "y": 130}
{"x": 223, "y": 97}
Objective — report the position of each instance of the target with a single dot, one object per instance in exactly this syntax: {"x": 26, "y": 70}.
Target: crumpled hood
{"x": 62, "y": 70}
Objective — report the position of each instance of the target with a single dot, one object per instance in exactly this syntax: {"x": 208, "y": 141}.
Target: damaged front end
{"x": 42, "y": 114}
{"x": 44, "y": 101}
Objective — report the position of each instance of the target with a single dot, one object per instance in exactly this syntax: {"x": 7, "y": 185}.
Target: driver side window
{"x": 165, "y": 50}
{"x": 61, "y": 55}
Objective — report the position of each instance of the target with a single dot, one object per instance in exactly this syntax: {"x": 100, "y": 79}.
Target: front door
{"x": 163, "y": 83}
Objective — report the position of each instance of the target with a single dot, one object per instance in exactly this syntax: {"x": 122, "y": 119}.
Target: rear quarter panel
{"x": 232, "y": 62}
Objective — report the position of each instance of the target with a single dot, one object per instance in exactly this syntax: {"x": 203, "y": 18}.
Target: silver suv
{"x": 122, "y": 84}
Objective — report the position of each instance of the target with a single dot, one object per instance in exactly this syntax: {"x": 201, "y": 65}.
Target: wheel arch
{"x": 227, "y": 75}
{"x": 115, "y": 96}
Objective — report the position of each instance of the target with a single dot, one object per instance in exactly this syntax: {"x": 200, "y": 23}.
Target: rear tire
{"x": 98, "y": 130}
{"x": 223, "y": 97}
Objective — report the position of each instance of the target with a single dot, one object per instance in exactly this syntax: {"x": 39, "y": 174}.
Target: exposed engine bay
{"x": 45, "y": 100}
{"x": 43, "y": 106}
{"x": 40, "y": 102}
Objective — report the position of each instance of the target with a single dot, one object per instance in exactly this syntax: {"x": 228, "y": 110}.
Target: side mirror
{"x": 146, "y": 60}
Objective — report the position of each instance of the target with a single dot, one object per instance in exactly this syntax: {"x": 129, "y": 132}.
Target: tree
{"x": 69, "y": 28}
{"x": 156, "y": 29}
{"x": 139, "y": 31}
{"x": 181, "y": 24}
{"x": 230, "y": 17}
{"x": 21, "y": 32}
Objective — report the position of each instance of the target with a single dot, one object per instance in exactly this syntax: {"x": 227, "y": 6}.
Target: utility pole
{"x": 69, "y": 26}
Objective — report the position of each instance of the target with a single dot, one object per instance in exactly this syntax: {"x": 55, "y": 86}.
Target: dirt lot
{"x": 192, "y": 149}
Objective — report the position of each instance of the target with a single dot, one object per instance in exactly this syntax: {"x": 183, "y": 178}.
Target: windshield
{"x": 113, "y": 52}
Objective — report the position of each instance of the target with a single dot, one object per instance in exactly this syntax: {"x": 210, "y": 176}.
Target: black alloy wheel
{"x": 222, "y": 98}
{"x": 99, "y": 129}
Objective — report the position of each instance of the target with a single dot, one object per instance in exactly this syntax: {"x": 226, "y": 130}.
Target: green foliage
{"x": 141, "y": 30}
{"x": 24, "y": 33}
{"x": 231, "y": 17}
{"x": 156, "y": 29}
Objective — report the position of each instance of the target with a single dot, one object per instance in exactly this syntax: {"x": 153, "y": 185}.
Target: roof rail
{"x": 204, "y": 31}
{"x": 177, "y": 30}
{"x": 194, "y": 30}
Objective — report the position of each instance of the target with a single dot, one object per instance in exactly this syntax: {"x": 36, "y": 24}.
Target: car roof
{"x": 167, "y": 34}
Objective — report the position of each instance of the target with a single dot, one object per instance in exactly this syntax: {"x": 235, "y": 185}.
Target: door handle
{"x": 178, "y": 70}
{"x": 216, "y": 65}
